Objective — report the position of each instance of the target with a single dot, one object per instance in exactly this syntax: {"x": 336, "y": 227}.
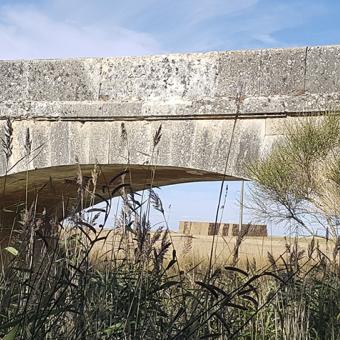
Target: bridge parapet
{"x": 215, "y": 85}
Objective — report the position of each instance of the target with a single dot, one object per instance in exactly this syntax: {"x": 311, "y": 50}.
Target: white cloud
{"x": 131, "y": 11}
{"x": 75, "y": 28}
{"x": 26, "y": 32}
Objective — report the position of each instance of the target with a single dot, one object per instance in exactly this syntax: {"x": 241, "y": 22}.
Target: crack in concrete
{"x": 305, "y": 70}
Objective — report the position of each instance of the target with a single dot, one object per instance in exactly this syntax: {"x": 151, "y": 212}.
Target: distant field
{"x": 251, "y": 247}
{"x": 197, "y": 248}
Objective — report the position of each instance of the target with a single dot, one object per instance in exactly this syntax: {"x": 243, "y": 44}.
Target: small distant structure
{"x": 222, "y": 229}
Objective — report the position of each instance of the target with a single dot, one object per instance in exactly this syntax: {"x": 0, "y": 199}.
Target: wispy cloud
{"x": 254, "y": 24}
{"x": 205, "y": 10}
{"x": 26, "y": 32}
{"x": 71, "y": 28}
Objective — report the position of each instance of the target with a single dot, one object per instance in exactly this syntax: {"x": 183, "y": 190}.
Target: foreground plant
{"x": 57, "y": 285}
{"x": 298, "y": 181}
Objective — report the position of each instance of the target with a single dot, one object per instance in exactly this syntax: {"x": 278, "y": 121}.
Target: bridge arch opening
{"x": 192, "y": 201}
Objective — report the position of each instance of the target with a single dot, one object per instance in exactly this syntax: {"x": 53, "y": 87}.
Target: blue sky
{"x": 68, "y": 28}
{"x": 78, "y": 28}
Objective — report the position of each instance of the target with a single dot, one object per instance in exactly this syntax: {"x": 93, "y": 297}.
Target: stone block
{"x": 41, "y": 139}
{"x": 215, "y": 106}
{"x": 239, "y": 72}
{"x": 13, "y": 81}
{"x": 54, "y": 110}
{"x": 120, "y": 109}
{"x": 262, "y": 105}
{"x": 64, "y": 80}
{"x": 262, "y": 72}
{"x": 312, "y": 102}
{"x": 59, "y": 142}
{"x": 282, "y": 71}
{"x": 159, "y": 76}
{"x": 276, "y": 126}
{"x": 323, "y": 69}
{"x": 15, "y": 109}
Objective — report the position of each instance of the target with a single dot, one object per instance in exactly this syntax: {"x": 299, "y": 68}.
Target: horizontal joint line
{"x": 163, "y": 117}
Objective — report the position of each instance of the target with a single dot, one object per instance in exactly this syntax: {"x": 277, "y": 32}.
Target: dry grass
{"x": 250, "y": 248}
{"x": 196, "y": 249}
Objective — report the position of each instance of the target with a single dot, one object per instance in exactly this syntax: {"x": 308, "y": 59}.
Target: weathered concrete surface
{"x": 218, "y": 111}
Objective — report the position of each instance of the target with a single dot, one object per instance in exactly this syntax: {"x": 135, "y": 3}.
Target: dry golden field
{"x": 196, "y": 249}
{"x": 199, "y": 248}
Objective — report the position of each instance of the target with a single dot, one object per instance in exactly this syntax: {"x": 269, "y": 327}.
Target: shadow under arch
{"x": 55, "y": 188}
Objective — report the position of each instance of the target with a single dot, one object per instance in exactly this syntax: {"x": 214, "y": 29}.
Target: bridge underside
{"x": 56, "y": 188}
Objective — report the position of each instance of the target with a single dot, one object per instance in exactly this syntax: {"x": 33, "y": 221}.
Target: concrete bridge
{"x": 217, "y": 112}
